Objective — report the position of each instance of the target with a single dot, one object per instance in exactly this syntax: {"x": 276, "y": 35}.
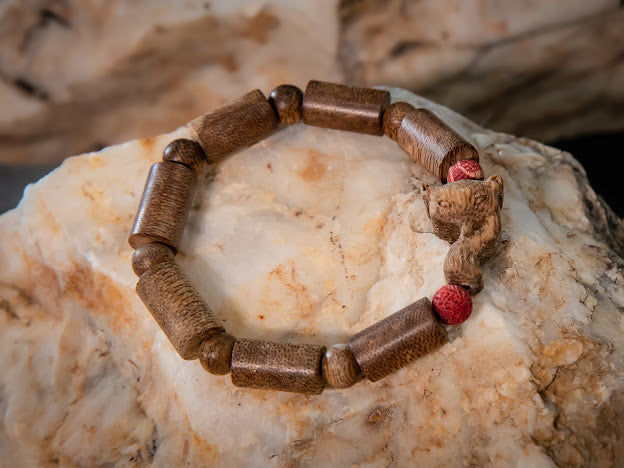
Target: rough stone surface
{"x": 311, "y": 236}
{"x": 541, "y": 69}
{"x": 76, "y": 76}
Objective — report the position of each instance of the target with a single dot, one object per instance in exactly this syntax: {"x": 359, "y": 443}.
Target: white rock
{"x": 310, "y": 236}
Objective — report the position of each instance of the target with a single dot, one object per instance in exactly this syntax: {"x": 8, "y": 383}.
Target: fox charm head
{"x": 466, "y": 214}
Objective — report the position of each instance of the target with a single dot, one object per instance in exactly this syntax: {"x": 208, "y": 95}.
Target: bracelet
{"x": 464, "y": 212}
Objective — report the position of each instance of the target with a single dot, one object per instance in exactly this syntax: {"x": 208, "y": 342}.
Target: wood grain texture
{"x": 177, "y": 307}
{"x": 340, "y": 369}
{"x": 236, "y": 125}
{"x": 164, "y": 206}
{"x": 432, "y": 143}
{"x": 148, "y": 255}
{"x": 187, "y": 152}
{"x": 397, "y": 340}
{"x": 215, "y": 353}
{"x": 287, "y": 102}
{"x": 332, "y": 105}
{"x": 393, "y": 116}
{"x": 277, "y": 366}
{"x": 466, "y": 214}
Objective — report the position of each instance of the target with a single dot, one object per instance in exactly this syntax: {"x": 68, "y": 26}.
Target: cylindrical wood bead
{"x": 393, "y": 116}
{"x": 432, "y": 143}
{"x": 287, "y": 101}
{"x": 215, "y": 353}
{"x": 177, "y": 307}
{"x": 164, "y": 206}
{"x": 340, "y": 369}
{"x": 277, "y": 366}
{"x": 235, "y": 125}
{"x": 397, "y": 340}
{"x": 342, "y": 107}
{"x": 187, "y": 152}
{"x": 148, "y": 255}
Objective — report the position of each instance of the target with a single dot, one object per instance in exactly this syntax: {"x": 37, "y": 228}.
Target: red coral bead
{"x": 452, "y": 304}
{"x": 465, "y": 169}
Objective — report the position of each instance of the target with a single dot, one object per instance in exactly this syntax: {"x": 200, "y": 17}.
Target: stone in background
{"x": 77, "y": 76}
{"x": 545, "y": 69}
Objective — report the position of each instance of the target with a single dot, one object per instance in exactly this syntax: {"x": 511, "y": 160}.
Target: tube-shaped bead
{"x": 235, "y": 125}
{"x": 164, "y": 206}
{"x": 343, "y": 107}
{"x": 277, "y": 366}
{"x": 177, "y": 307}
{"x": 432, "y": 143}
{"x": 397, "y": 340}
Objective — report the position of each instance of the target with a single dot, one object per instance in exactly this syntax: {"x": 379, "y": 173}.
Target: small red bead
{"x": 452, "y": 304}
{"x": 465, "y": 169}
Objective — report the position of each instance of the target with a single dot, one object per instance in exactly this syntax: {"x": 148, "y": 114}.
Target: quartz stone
{"x": 540, "y": 69}
{"x": 78, "y": 76}
{"x": 308, "y": 237}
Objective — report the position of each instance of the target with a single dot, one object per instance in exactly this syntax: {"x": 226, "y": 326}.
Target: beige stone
{"x": 310, "y": 236}
{"x": 78, "y": 76}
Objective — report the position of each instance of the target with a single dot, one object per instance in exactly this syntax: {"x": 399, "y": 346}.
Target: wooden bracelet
{"x": 465, "y": 212}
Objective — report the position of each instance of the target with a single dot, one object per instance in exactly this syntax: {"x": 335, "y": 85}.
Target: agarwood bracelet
{"x": 463, "y": 212}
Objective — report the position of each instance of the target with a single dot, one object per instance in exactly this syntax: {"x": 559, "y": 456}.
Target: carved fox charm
{"x": 466, "y": 214}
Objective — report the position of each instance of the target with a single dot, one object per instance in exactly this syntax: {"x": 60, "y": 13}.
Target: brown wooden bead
{"x": 148, "y": 255}
{"x": 342, "y": 107}
{"x": 393, "y": 116}
{"x": 277, "y": 366}
{"x": 164, "y": 206}
{"x": 177, "y": 307}
{"x": 432, "y": 143}
{"x": 215, "y": 353}
{"x": 287, "y": 101}
{"x": 235, "y": 125}
{"x": 397, "y": 340}
{"x": 187, "y": 152}
{"x": 340, "y": 369}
